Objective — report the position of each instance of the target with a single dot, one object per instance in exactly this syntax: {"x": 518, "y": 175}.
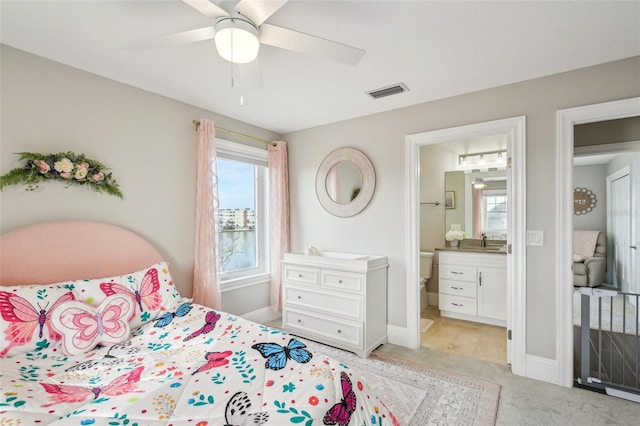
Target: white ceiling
{"x": 437, "y": 48}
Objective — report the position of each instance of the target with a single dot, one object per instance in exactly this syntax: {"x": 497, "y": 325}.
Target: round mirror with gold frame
{"x": 345, "y": 182}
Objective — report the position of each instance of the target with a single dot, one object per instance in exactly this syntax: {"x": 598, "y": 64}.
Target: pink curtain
{"x": 477, "y": 212}
{"x": 278, "y": 216}
{"x": 206, "y": 290}
{"x": 333, "y": 184}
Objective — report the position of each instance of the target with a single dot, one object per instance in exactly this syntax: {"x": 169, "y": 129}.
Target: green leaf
{"x": 19, "y": 404}
{"x": 298, "y": 419}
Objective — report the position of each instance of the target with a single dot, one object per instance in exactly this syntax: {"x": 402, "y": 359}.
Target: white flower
{"x": 63, "y": 166}
{"x": 81, "y": 173}
{"x": 454, "y": 234}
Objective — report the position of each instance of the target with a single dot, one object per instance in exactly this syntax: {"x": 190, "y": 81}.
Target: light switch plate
{"x": 535, "y": 238}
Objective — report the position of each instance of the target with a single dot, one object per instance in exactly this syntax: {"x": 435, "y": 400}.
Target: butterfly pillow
{"x": 25, "y": 317}
{"x": 83, "y": 327}
{"x": 151, "y": 290}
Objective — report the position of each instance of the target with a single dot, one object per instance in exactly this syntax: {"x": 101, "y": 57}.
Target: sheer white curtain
{"x": 206, "y": 289}
{"x": 278, "y": 216}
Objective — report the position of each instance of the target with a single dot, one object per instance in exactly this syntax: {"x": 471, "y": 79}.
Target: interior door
{"x": 620, "y": 233}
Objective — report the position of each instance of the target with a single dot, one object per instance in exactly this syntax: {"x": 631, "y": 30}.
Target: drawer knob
{"x": 299, "y": 297}
{"x": 457, "y": 304}
{"x": 299, "y": 275}
{"x": 456, "y": 288}
{"x": 340, "y": 281}
{"x": 299, "y": 321}
{"x": 339, "y": 331}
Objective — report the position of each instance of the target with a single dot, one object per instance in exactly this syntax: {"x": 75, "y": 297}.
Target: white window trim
{"x": 254, "y": 276}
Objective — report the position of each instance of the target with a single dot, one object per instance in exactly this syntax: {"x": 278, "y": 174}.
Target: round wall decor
{"x": 584, "y": 201}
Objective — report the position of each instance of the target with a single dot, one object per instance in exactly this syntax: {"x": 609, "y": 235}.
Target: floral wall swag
{"x": 73, "y": 169}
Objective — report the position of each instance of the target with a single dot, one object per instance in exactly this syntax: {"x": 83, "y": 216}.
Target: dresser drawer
{"x": 301, "y": 275}
{"x": 458, "y": 273}
{"x": 463, "y": 305}
{"x": 330, "y": 328}
{"x": 342, "y": 281}
{"x": 458, "y": 288}
{"x": 350, "y": 306}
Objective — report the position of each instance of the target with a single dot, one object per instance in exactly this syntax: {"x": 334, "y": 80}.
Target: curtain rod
{"x": 233, "y": 132}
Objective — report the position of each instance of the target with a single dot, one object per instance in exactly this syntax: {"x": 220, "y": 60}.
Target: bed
{"x": 94, "y": 332}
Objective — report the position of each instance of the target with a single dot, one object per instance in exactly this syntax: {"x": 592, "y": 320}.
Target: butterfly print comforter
{"x": 192, "y": 366}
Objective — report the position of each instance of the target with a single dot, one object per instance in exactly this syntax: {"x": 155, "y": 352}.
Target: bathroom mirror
{"x": 480, "y": 203}
{"x": 345, "y": 182}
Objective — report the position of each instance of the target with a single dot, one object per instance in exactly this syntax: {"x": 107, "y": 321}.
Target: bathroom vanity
{"x": 339, "y": 299}
{"x": 473, "y": 285}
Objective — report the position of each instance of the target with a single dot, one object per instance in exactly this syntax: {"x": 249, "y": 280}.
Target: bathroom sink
{"x": 492, "y": 249}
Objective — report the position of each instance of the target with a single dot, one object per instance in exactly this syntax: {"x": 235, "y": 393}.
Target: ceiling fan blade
{"x": 299, "y": 42}
{"x": 259, "y": 11}
{"x": 184, "y": 37}
{"x": 206, "y": 8}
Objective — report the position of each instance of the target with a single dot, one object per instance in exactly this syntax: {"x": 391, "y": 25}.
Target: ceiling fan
{"x": 239, "y": 33}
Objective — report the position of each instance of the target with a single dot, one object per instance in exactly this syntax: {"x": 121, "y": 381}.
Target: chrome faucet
{"x": 483, "y": 242}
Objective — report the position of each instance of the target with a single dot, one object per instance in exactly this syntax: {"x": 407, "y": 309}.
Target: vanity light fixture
{"x": 483, "y": 160}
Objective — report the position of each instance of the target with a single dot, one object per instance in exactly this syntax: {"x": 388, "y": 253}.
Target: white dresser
{"x": 473, "y": 286}
{"x": 339, "y": 299}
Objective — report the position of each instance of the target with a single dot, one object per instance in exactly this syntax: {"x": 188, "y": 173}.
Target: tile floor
{"x": 471, "y": 339}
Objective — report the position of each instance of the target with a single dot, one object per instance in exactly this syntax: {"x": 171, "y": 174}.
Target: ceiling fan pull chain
{"x": 241, "y": 70}
{"x": 231, "y": 63}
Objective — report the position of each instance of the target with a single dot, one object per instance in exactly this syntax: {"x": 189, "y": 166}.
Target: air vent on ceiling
{"x": 388, "y": 91}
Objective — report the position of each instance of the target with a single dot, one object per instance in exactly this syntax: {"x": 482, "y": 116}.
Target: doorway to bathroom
{"x": 427, "y": 206}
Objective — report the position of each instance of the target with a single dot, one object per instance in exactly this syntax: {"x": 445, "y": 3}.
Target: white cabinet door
{"x": 492, "y": 293}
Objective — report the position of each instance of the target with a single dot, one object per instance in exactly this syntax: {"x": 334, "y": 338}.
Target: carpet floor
{"x": 419, "y": 395}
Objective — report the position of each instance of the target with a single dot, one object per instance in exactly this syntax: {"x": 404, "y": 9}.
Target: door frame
{"x": 565, "y": 120}
{"x": 514, "y": 128}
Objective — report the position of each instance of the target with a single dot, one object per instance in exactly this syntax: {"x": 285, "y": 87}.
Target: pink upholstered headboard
{"x": 69, "y": 250}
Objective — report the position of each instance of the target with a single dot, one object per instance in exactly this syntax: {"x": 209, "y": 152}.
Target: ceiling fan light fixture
{"x": 236, "y": 40}
{"x": 478, "y": 183}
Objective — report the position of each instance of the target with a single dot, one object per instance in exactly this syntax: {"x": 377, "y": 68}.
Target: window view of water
{"x": 237, "y": 250}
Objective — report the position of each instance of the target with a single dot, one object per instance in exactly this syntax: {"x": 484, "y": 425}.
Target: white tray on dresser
{"x": 339, "y": 299}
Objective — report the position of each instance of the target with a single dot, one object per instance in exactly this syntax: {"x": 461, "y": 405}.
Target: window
{"x": 242, "y": 212}
{"x": 494, "y": 204}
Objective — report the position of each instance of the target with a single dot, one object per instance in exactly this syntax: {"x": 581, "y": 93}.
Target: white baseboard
{"x": 262, "y": 315}
{"x": 399, "y": 336}
{"x": 537, "y": 368}
{"x": 543, "y": 369}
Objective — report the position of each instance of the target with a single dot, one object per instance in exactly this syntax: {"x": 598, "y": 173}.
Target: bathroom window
{"x": 494, "y": 204}
{"x": 242, "y": 212}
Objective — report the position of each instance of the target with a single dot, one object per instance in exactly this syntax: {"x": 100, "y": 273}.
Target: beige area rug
{"x": 419, "y": 395}
{"x": 425, "y": 323}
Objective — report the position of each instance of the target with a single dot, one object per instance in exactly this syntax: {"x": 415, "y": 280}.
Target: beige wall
{"x": 380, "y": 228}
{"x": 147, "y": 140}
{"x": 593, "y": 178}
